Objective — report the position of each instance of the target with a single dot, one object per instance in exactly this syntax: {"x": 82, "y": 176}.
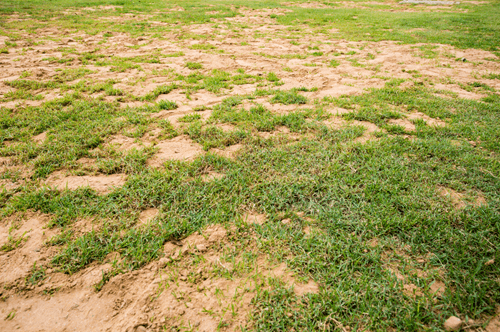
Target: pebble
{"x": 141, "y": 328}
{"x": 453, "y": 324}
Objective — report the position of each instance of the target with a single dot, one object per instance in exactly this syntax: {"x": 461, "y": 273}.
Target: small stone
{"x": 141, "y": 328}
{"x": 490, "y": 262}
{"x": 49, "y": 271}
{"x": 453, "y": 324}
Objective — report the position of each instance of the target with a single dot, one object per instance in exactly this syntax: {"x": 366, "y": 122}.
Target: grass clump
{"x": 159, "y": 90}
{"x": 202, "y": 47}
{"x": 193, "y": 65}
{"x": 272, "y": 77}
{"x": 333, "y": 63}
{"x": 167, "y": 105}
{"x": 214, "y": 137}
{"x": 190, "y": 117}
{"x": 288, "y": 97}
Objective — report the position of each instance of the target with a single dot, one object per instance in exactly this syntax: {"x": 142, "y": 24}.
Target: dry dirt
{"x": 179, "y": 148}
{"x": 171, "y": 292}
{"x": 101, "y": 183}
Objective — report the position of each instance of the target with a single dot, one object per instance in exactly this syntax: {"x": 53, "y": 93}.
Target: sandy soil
{"x": 169, "y": 291}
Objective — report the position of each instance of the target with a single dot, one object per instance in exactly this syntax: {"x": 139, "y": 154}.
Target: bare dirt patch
{"x": 85, "y": 225}
{"x": 25, "y": 236}
{"x": 459, "y": 200}
{"x": 254, "y": 218}
{"x": 368, "y": 134}
{"x": 210, "y": 176}
{"x": 428, "y": 120}
{"x": 148, "y": 215}
{"x": 230, "y": 151}
{"x": 407, "y": 269}
{"x": 124, "y": 143}
{"x": 172, "y": 292}
{"x": 407, "y": 125}
{"x": 494, "y": 323}
{"x": 306, "y": 4}
{"x": 40, "y": 138}
{"x": 103, "y": 184}
{"x": 179, "y": 148}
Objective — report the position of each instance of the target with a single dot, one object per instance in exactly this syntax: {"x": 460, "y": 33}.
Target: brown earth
{"x": 170, "y": 292}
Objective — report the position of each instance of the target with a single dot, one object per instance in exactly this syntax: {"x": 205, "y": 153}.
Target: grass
{"x": 288, "y": 97}
{"x": 193, "y": 65}
{"x": 371, "y": 199}
{"x": 167, "y": 105}
{"x": 190, "y": 117}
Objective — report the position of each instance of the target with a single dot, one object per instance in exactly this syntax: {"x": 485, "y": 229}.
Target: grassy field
{"x": 249, "y": 165}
